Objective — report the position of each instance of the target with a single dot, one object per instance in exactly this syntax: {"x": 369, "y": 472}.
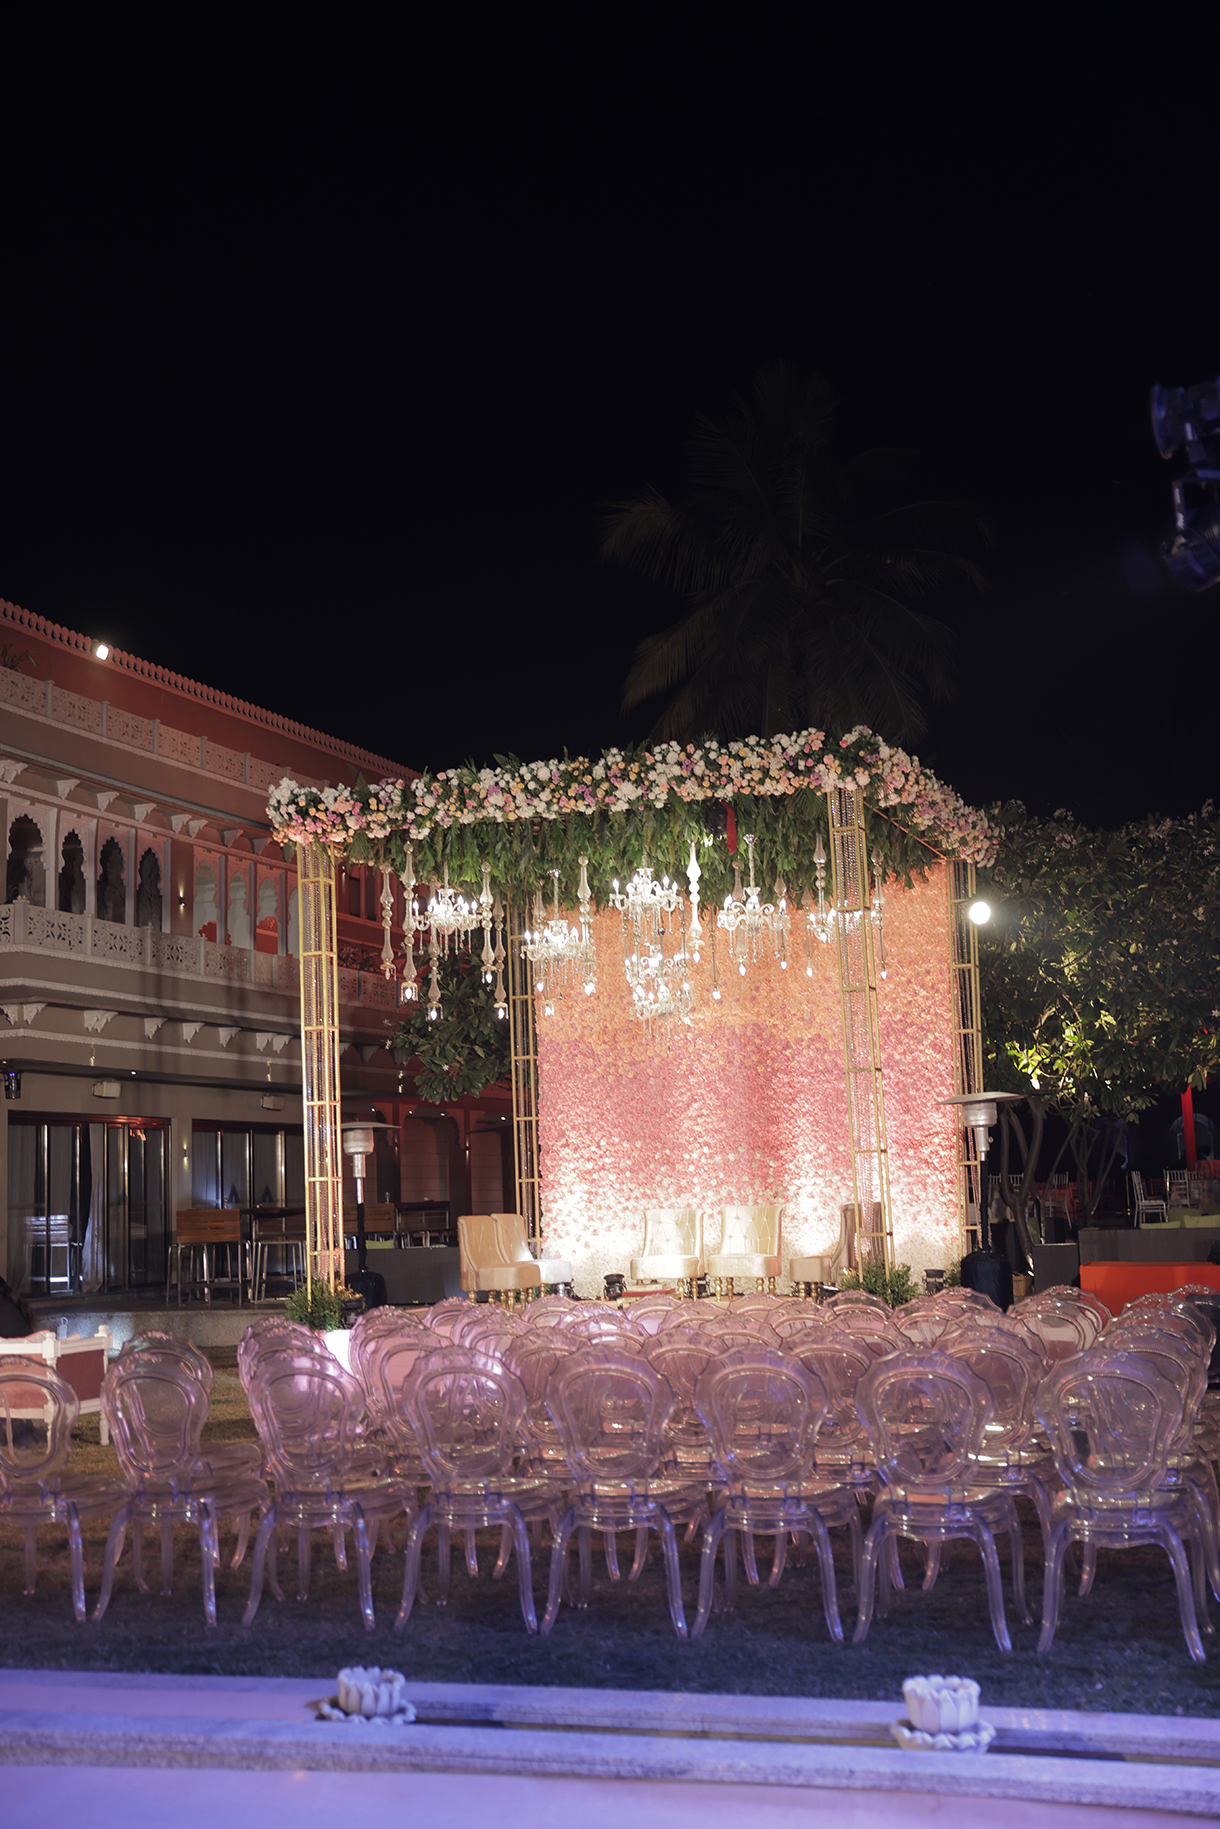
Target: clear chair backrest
{"x": 386, "y": 1363}
{"x": 1064, "y": 1328}
{"x": 271, "y": 1331}
{"x": 874, "y": 1328}
{"x": 650, "y": 1311}
{"x": 179, "y": 1352}
{"x": 925, "y": 1414}
{"x": 967, "y": 1298}
{"x": 1177, "y": 1315}
{"x": 1174, "y": 1354}
{"x": 444, "y": 1316}
{"x": 610, "y": 1327}
{"x": 974, "y": 1321}
{"x": 467, "y": 1412}
{"x": 682, "y": 1356}
{"x": 155, "y": 1411}
{"x": 1012, "y": 1371}
{"x": 743, "y": 1330}
{"x": 762, "y": 1410}
{"x": 840, "y": 1360}
{"x": 801, "y": 1322}
{"x": 1111, "y": 1417}
{"x": 611, "y": 1409}
{"x": 494, "y": 1335}
{"x": 533, "y": 1357}
{"x": 855, "y": 1298}
{"x": 307, "y": 1410}
{"x": 384, "y": 1324}
{"x": 753, "y": 1303}
{"x": 550, "y": 1311}
{"x": 697, "y": 1314}
{"x": 36, "y": 1449}
{"x": 923, "y": 1323}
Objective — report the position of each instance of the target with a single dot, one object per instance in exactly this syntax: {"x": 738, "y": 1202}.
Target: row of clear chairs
{"x": 769, "y": 1418}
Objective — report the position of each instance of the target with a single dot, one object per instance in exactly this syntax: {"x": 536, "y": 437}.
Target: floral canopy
{"x": 527, "y": 819}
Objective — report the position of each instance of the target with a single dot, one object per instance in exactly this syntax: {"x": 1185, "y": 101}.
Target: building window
{"x": 111, "y": 886}
{"x": 148, "y": 893}
{"x": 26, "y": 874}
{"x": 72, "y": 876}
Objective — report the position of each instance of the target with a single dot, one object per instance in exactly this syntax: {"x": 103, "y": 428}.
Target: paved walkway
{"x": 180, "y": 1749}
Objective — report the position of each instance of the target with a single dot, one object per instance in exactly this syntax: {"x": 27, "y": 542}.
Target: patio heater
{"x": 977, "y": 1113}
{"x": 358, "y": 1144}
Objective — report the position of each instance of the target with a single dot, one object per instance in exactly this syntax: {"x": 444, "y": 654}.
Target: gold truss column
{"x": 320, "y": 1064}
{"x": 855, "y": 942}
{"x": 967, "y": 1043}
{"x": 524, "y": 1072}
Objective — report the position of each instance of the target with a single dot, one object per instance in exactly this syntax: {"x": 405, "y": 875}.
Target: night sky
{"x": 322, "y": 354}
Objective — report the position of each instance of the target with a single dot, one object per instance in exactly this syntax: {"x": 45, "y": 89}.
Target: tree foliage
{"x": 467, "y": 1047}
{"x": 1099, "y": 974}
{"x": 800, "y": 574}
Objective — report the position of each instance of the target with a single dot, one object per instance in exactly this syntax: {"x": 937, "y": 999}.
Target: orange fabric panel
{"x": 1117, "y": 1284}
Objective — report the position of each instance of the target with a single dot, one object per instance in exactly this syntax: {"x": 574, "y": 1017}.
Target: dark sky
{"x": 321, "y": 354}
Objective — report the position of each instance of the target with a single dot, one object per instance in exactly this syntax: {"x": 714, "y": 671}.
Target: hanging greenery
{"x": 526, "y": 819}
{"x": 467, "y": 1048}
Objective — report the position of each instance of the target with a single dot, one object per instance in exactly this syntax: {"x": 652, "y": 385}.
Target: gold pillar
{"x": 320, "y": 1064}
{"x": 967, "y": 1042}
{"x": 855, "y": 942}
{"x": 523, "y": 1072}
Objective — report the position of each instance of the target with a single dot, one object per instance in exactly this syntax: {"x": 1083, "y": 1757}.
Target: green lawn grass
{"x": 1121, "y": 1649}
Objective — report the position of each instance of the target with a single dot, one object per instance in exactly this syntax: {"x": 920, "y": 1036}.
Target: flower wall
{"x": 748, "y": 1104}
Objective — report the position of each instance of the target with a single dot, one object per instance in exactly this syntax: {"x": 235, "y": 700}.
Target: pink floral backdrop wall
{"x": 748, "y": 1104}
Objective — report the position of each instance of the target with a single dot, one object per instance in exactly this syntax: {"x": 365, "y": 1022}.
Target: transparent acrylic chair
{"x": 650, "y": 1311}
{"x": 156, "y": 1410}
{"x": 611, "y": 1409}
{"x": 38, "y": 1411}
{"x": 873, "y": 1327}
{"x": 926, "y": 1415}
{"x": 1064, "y": 1325}
{"x": 225, "y": 1459}
{"x": 1009, "y": 1459}
{"x": 762, "y": 1410}
{"x": 308, "y": 1412}
{"x": 467, "y": 1412}
{"x": 1112, "y": 1418}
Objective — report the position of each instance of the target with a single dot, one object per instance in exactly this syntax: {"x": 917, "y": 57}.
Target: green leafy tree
{"x": 1099, "y": 980}
{"x": 800, "y": 573}
{"x": 467, "y": 1047}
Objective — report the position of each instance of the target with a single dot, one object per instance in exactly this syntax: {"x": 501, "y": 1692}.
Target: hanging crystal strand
{"x": 878, "y": 911}
{"x": 485, "y": 911}
{"x": 410, "y": 927}
{"x": 588, "y": 951}
{"x": 387, "y": 916}
{"x": 434, "y": 982}
{"x": 820, "y": 919}
{"x": 500, "y": 955}
{"x": 715, "y": 980}
{"x": 808, "y": 934}
{"x": 693, "y": 873}
{"x": 779, "y": 924}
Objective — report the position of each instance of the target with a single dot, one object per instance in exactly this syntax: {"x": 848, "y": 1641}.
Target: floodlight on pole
{"x": 979, "y": 912}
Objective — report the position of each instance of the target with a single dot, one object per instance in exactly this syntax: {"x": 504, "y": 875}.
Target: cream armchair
{"x": 673, "y": 1246}
{"x": 809, "y": 1272}
{"x": 551, "y": 1269}
{"x": 493, "y": 1259}
{"x": 749, "y": 1247}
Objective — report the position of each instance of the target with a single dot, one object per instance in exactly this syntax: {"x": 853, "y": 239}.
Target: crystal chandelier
{"x": 641, "y": 905}
{"x": 558, "y": 953}
{"x": 662, "y": 989}
{"x": 751, "y": 923}
{"x": 451, "y": 918}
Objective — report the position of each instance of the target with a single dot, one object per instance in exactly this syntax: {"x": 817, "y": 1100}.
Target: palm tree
{"x": 800, "y": 574}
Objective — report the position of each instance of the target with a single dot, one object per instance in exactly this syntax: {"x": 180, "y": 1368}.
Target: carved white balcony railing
{"x": 25, "y": 928}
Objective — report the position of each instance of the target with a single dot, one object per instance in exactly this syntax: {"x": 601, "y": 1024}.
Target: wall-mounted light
{"x": 12, "y": 1084}
{"x": 102, "y": 650}
{"x": 105, "y": 1089}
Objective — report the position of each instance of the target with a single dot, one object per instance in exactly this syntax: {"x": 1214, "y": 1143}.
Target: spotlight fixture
{"x": 979, "y": 912}
{"x": 102, "y": 650}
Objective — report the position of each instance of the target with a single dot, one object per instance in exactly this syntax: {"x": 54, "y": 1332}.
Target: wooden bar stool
{"x": 202, "y": 1232}
{"x": 278, "y": 1232}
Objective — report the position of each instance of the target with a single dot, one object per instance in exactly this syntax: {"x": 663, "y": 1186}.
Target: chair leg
{"x": 669, "y": 1547}
{"x": 826, "y": 1568}
{"x": 995, "y": 1590}
{"x": 873, "y": 1544}
{"x": 114, "y": 1544}
{"x": 713, "y": 1532}
{"x": 209, "y": 1551}
{"x": 78, "y": 1565}
{"x": 364, "y": 1571}
{"x": 1172, "y": 1544}
{"x": 266, "y": 1533}
{"x": 561, "y": 1536}
{"x": 525, "y": 1579}
{"x": 410, "y": 1579}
